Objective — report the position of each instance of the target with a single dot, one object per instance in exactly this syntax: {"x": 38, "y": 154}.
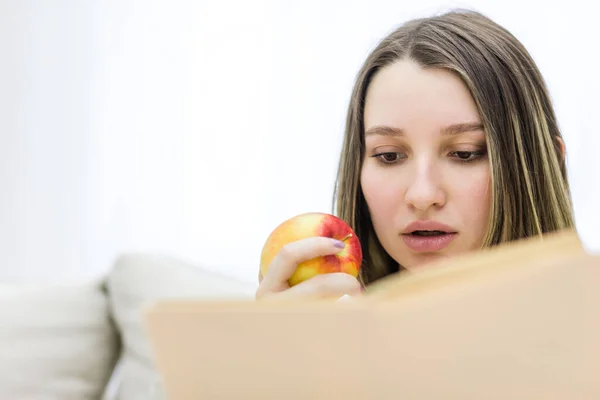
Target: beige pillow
{"x": 137, "y": 280}
{"x": 57, "y": 342}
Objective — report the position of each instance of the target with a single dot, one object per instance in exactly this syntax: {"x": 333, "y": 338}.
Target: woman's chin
{"x": 423, "y": 260}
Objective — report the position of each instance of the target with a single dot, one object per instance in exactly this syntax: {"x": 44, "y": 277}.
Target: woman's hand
{"x": 284, "y": 264}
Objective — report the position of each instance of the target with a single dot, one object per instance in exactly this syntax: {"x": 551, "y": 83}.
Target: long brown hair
{"x": 530, "y": 191}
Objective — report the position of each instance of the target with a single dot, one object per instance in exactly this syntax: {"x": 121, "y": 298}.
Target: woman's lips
{"x": 428, "y": 244}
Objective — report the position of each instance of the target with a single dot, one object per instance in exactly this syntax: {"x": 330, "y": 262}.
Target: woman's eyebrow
{"x": 384, "y": 131}
{"x": 453, "y": 129}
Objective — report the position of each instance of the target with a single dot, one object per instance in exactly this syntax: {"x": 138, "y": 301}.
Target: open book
{"x": 519, "y": 321}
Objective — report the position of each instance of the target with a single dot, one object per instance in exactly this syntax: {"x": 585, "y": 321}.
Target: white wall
{"x": 193, "y": 128}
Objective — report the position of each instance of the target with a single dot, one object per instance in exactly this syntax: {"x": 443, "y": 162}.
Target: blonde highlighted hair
{"x": 530, "y": 190}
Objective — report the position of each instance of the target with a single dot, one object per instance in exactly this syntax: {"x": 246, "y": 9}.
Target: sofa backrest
{"x": 136, "y": 281}
{"x": 56, "y": 341}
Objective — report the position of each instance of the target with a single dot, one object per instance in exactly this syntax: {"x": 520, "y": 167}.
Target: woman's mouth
{"x": 425, "y": 241}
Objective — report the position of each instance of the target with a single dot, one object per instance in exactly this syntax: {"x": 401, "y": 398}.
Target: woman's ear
{"x": 561, "y": 146}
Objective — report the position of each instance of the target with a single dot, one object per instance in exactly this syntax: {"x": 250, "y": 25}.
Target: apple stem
{"x": 348, "y": 236}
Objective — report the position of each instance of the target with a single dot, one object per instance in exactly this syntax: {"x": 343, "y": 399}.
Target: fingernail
{"x": 339, "y": 244}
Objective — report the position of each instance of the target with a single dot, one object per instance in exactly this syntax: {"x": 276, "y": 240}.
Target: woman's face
{"x": 425, "y": 176}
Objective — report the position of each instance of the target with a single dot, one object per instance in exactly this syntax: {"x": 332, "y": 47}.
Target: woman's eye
{"x": 467, "y": 156}
{"x": 388, "y": 157}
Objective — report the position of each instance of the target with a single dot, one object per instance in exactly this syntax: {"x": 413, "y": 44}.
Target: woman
{"x": 451, "y": 145}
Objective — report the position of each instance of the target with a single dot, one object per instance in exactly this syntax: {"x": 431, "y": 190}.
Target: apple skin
{"x": 347, "y": 260}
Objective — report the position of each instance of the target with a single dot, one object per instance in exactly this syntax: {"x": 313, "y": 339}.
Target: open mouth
{"x": 425, "y": 241}
{"x": 428, "y": 233}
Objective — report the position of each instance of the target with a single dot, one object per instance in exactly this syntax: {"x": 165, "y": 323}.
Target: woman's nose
{"x": 425, "y": 190}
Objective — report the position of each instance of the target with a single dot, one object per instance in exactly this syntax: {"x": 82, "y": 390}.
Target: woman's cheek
{"x": 383, "y": 193}
{"x": 475, "y": 199}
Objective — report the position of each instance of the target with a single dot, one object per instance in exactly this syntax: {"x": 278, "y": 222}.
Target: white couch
{"x": 87, "y": 341}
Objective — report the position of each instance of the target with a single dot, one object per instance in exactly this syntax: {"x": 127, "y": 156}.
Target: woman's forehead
{"x": 403, "y": 94}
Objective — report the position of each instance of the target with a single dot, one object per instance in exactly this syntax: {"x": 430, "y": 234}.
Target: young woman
{"x": 451, "y": 145}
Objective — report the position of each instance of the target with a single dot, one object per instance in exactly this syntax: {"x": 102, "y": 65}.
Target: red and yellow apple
{"x": 347, "y": 260}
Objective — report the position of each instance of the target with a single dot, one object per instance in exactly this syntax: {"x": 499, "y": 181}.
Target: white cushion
{"x": 57, "y": 342}
{"x": 136, "y": 281}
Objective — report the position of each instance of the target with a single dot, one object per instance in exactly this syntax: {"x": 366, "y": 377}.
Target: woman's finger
{"x": 286, "y": 261}
{"x": 330, "y": 285}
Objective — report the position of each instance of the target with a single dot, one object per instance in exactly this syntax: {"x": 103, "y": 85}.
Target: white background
{"x": 193, "y": 128}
